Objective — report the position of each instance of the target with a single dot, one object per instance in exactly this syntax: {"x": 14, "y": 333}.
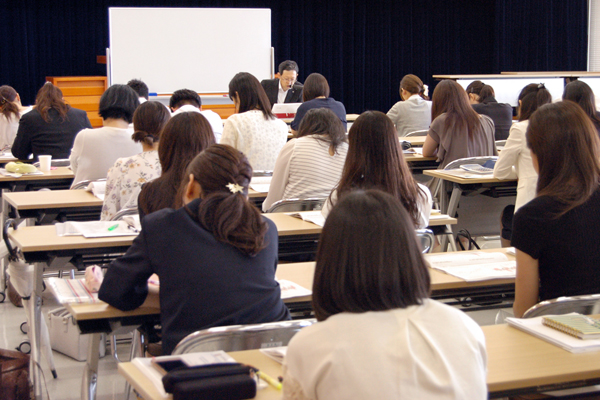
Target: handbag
{"x": 66, "y": 338}
{"x": 232, "y": 381}
{"x": 14, "y": 375}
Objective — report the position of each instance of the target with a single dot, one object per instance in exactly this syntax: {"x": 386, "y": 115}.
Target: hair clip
{"x": 425, "y": 90}
{"x": 541, "y": 86}
{"x": 234, "y": 188}
{"x": 3, "y": 100}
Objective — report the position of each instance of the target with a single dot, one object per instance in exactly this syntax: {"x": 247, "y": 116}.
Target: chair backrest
{"x": 470, "y": 160}
{"x": 500, "y": 143}
{"x": 586, "y": 304}
{"x": 59, "y": 162}
{"x": 124, "y": 212}
{"x": 417, "y": 133}
{"x": 288, "y": 205}
{"x": 84, "y": 184}
{"x": 242, "y": 337}
{"x": 427, "y": 239}
{"x": 260, "y": 172}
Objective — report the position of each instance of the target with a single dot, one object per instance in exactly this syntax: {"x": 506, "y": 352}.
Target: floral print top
{"x": 125, "y": 179}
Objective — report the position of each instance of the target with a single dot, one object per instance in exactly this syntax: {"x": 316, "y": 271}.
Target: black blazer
{"x": 271, "y": 86}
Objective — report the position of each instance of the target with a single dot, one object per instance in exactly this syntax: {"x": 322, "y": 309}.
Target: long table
{"x": 518, "y": 363}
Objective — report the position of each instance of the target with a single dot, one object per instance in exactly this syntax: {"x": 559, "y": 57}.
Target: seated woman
{"x": 483, "y": 100}
{"x": 215, "y": 257}
{"x": 580, "y": 93}
{"x": 457, "y": 131}
{"x": 514, "y": 161}
{"x": 253, "y": 130}
{"x": 50, "y": 128}
{"x": 413, "y": 113}
{"x": 125, "y": 179}
{"x": 96, "y": 150}
{"x": 182, "y": 139}
{"x": 11, "y": 110}
{"x": 379, "y": 336}
{"x": 375, "y": 161}
{"x": 310, "y": 165}
{"x": 556, "y": 233}
{"x": 316, "y": 95}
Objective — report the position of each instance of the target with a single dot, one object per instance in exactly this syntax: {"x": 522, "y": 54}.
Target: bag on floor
{"x": 14, "y": 375}
{"x": 65, "y": 336}
{"x": 14, "y": 297}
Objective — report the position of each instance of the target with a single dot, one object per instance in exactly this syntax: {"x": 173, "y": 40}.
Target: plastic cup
{"x": 45, "y": 162}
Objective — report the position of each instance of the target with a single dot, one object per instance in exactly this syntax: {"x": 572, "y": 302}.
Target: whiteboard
{"x": 194, "y": 48}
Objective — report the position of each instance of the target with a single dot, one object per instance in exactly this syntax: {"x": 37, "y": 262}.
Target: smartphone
{"x": 165, "y": 366}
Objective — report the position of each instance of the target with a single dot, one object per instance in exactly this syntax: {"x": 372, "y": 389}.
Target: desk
{"x": 460, "y": 184}
{"x": 518, "y": 363}
{"x": 415, "y": 141}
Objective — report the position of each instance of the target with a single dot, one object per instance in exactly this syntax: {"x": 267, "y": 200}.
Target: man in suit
{"x": 284, "y": 89}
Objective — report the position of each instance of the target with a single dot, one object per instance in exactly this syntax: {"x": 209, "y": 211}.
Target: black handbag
{"x": 215, "y": 382}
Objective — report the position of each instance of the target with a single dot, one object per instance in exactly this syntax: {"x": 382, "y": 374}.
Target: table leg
{"x": 35, "y": 329}
{"x": 453, "y": 203}
{"x": 90, "y": 372}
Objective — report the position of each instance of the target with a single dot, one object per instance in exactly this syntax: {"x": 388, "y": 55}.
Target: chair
{"x": 242, "y": 337}
{"x": 124, "y": 212}
{"x": 500, "y": 143}
{"x": 586, "y": 304}
{"x": 427, "y": 239}
{"x": 259, "y": 172}
{"x": 287, "y": 205}
{"x": 470, "y": 160}
{"x": 84, "y": 184}
{"x": 417, "y": 133}
{"x": 60, "y": 162}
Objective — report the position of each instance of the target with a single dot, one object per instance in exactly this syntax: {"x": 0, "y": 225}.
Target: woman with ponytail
{"x": 125, "y": 179}
{"x": 414, "y": 112}
{"x": 215, "y": 257}
{"x": 10, "y": 113}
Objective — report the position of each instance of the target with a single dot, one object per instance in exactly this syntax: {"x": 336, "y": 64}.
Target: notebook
{"x": 576, "y": 325}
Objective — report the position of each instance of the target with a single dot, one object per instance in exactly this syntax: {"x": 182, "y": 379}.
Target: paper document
{"x": 469, "y": 175}
{"x": 291, "y": 289}
{"x": 95, "y": 229}
{"x": 4, "y": 172}
{"x": 474, "y": 266}
{"x": 310, "y": 216}
{"x": 98, "y": 189}
{"x": 261, "y": 183}
{"x": 534, "y": 327}
{"x": 70, "y": 290}
{"x": 276, "y": 353}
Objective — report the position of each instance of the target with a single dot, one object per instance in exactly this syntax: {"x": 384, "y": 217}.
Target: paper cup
{"x": 45, "y": 162}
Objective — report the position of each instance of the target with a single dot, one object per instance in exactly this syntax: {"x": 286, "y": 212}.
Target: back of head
{"x": 149, "y": 119}
{"x": 139, "y": 87}
{"x": 118, "y": 102}
{"x": 580, "y": 93}
{"x": 184, "y": 96}
{"x": 450, "y": 98}
{"x": 323, "y": 123}
{"x": 224, "y": 174}
{"x": 368, "y": 258}
{"x": 531, "y": 98}
{"x": 486, "y": 94}
{"x": 413, "y": 85}
{"x": 7, "y": 108}
{"x": 50, "y": 97}
{"x": 315, "y": 86}
{"x": 475, "y": 88}
{"x": 375, "y": 161}
{"x": 288, "y": 65}
{"x": 567, "y": 148}
{"x": 250, "y": 94}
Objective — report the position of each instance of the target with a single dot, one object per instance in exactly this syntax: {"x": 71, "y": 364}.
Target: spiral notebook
{"x": 576, "y": 325}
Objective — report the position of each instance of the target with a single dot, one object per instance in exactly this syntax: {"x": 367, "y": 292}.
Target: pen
{"x": 270, "y": 380}
{"x": 131, "y": 227}
{"x": 112, "y": 228}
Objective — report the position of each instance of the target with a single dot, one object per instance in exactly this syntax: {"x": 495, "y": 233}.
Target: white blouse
{"x": 412, "y": 114}
{"x": 259, "y": 139}
{"x": 430, "y": 351}
{"x": 125, "y": 179}
{"x": 304, "y": 169}
{"x": 9, "y": 127}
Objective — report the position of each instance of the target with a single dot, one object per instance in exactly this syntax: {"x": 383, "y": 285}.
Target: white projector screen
{"x": 194, "y": 48}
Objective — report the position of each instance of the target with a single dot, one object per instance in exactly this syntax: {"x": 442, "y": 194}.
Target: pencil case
{"x": 215, "y": 382}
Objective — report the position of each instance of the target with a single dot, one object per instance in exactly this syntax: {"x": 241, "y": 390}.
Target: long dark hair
{"x": 149, "y": 119}
{"x": 375, "y": 161}
{"x": 368, "y": 258}
{"x": 250, "y": 93}
{"x": 325, "y": 125}
{"x": 532, "y": 97}
{"x": 7, "y": 96}
{"x": 184, "y": 136}
{"x": 224, "y": 174}
{"x": 566, "y": 145}
{"x": 450, "y": 98}
{"x": 51, "y": 97}
{"x": 582, "y": 94}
